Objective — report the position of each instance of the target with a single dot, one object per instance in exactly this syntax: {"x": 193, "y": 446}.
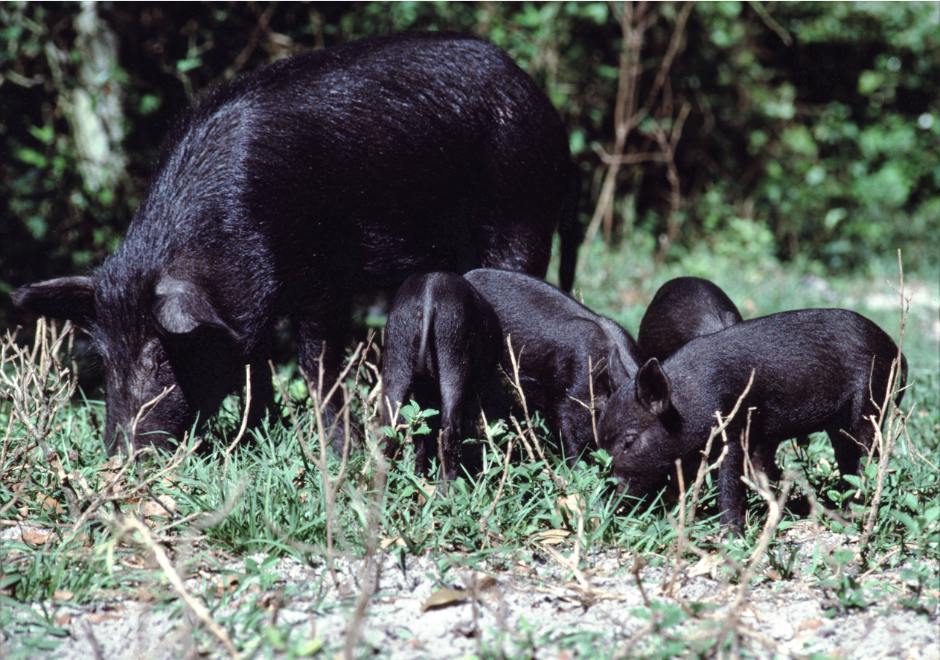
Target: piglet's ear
{"x": 653, "y": 389}
{"x": 183, "y": 307}
{"x": 729, "y": 318}
{"x": 69, "y": 298}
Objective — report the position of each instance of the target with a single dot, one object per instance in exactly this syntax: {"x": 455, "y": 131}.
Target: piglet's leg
{"x": 455, "y": 388}
{"x": 763, "y": 459}
{"x": 730, "y": 486}
{"x": 396, "y": 379}
{"x": 574, "y": 423}
{"x": 849, "y": 445}
{"x": 852, "y": 438}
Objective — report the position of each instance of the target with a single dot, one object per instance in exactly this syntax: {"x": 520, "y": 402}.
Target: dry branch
{"x": 635, "y": 20}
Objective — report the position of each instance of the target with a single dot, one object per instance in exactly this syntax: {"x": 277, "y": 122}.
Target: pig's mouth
{"x": 629, "y": 485}
{"x": 621, "y": 485}
{"x": 634, "y": 485}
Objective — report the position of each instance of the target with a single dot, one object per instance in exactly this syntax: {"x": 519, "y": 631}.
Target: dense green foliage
{"x": 818, "y": 121}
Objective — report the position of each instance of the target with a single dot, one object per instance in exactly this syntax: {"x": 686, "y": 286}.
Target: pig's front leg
{"x": 320, "y": 335}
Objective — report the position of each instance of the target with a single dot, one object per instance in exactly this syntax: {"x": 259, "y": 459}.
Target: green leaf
{"x": 44, "y": 134}
{"x": 310, "y": 647}
{"x": 31, "y": 157}
{"x": 909, "y": 521}
{"x": 149, "y": 103}
{"x": 833, "y": 218}
{"x": 188, "y": 64}
{"x": 855, "y": 480}
{"x": 869, "y": 82}
{"x": 596, "y": 11}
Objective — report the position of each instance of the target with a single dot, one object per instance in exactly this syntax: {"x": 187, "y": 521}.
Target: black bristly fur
{"x": 815, "y": 370}
{"x": 682, "y": 309}
{"x": 292, "y": 188}
{"x": 442, "y": 344}
{"x": 553, "y": 336}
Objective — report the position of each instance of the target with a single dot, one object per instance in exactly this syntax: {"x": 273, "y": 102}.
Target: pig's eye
{"x": 629, "y": 439}
{"x": 153, "y": 358}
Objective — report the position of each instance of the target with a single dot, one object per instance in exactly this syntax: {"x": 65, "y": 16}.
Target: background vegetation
{"x": 783, "y": 150}
{"x": 810, "y": 128}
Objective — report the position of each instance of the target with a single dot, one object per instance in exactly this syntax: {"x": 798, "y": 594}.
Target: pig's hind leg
{"x": 851, "y": 435}
{"x": 854, "y": 436}
{"x": 730, "y": 487}
{"x": 456, "y": 389}
{"x": 396, "y": 384}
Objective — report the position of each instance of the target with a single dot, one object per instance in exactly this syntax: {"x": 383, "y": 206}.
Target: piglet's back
{"x": 804, "y": 361}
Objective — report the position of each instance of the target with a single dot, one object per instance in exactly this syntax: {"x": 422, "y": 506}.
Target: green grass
{"x": 275, "y": 497}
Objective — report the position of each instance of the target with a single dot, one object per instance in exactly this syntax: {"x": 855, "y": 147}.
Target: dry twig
{"x": 128, "y": 525}
{"x": 635, "y": 20}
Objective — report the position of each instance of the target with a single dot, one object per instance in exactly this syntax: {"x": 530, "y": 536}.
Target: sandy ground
{"x": 530, "y": 606}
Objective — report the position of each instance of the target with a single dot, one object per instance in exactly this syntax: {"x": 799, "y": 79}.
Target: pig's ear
{"x": 729, "y": 319}
{"x": 652, "y": 388}
{"x": 183, "y": 307}
{"x": 617, "y": 371}
{"x": 70, "y": 298}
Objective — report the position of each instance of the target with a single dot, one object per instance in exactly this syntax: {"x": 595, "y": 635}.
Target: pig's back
{"x": 371, "y": 160}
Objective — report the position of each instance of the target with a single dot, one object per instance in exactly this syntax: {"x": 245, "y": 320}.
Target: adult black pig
{"x": 682, "y": 309}
{"x": 442, "y": 344}
{"x": 553, "y": 336}
{"x": 288, "y": 190}
{"x": 815, "y": 370}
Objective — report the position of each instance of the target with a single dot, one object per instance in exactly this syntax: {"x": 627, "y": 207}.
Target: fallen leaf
{"x": 226, "y": 585}
{"x": 112, "y": 463}
{"x": 98, "y": 618}
{"x": 428, "y": 492}
{"x": 144, "y": 595}
{"x": 154, "y": 509}
{"x": 36, "y": 536}
{"x": 63, "y": 620}
{"x": 706, "y": 566}
{"x": 809, "y": 624}
{"x": 573, "y": 502}
{"x": 385, "y": 543}
{"x": 483, "y": 581}
{"x": 552, "y": 536}
{"x": 445, "y": 597}
{"x": 62, "y": 594}
{"x": 50, "y": 504}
